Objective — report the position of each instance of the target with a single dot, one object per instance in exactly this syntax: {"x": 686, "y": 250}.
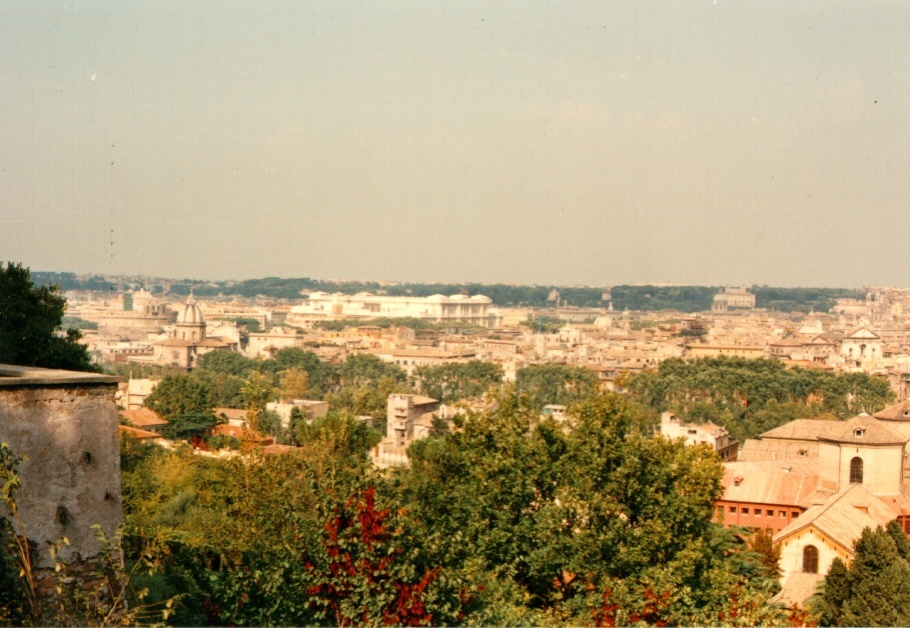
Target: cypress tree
{"x": 879, "y": 582}
{"x": 837, "y": 590}
{"x": 900, "y": 539}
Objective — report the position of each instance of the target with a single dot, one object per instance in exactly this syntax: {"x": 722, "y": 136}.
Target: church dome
{"x": 190, "y": 314}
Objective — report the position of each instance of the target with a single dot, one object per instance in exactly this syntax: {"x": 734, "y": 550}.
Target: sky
{"x": 596, "y": 143}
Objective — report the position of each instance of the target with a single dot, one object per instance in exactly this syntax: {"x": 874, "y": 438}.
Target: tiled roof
{"x": 773, "y": 449}
{"x": 132, "y": 432}
{"x": 143, "y": 417}
{"x": 792, "y": 482}
{"x": 805, "y": 429}
{"x": 844, "y": 515}
{"x": 865, "y": 430}
{"x": 895, "y": 412}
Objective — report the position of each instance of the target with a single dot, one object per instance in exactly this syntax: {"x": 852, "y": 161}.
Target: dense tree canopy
{"x": 875, "y": 589}
{"x": 749, "y": 397}
{"x": 30, "y": 319}
{"x": 555, "y": 383}
{"x": 456, "y": 381}
{"x": 507, "y": 520}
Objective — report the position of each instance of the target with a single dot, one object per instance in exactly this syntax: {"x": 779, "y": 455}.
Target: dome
{"x": 190, "y": 314}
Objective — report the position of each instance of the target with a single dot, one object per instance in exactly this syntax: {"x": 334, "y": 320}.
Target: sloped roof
{"x": 895, "y": 412}
{"x": 805, "y": 429}
{"x": 865, "y": 430}
{"x": 138, "y": 434}
{"x": 754, "y": 450}
{"x": 845, "y": 514}
{"x": 798, "y": 588}
{"x": 863, "y": 334}
{"x": 143, "y": 417}
{"x": 791, "y": 482}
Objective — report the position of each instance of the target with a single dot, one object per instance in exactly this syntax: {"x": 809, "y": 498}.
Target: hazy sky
{"x": 505, "y": 141}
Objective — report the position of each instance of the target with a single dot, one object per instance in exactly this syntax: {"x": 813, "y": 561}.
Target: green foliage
{"x": 75, "y": 322}
{"x": 226, "y": 363}
{"x": 180, "y": 394}
{"x": 874, "y": 591}
{"x": 30, "y": 317}
{"x": 366, "y": 383}
{"x": 338, "y": 433}
{"x": 555, "y": 384}
{"x": 251, "y": 324}
{"x": 507, "y": 519}
{"x": 456, "y": 381}
{"x": 749, "y": 397}
{"x": 323, "y": 377}
{"x": 762, "y": 543}
{"x": 188, "y": 425}
{"x": 545, "y": 324}
{"x": 365, "y": 369}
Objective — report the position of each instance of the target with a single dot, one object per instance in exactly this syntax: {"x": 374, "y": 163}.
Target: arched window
{"x": 856, "y": 471}
{"x": 810, "y": 559}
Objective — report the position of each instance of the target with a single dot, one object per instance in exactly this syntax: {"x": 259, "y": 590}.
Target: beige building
{"x": 408, "y": 418}
{"x": 833, "y": 478}
{"x": 715, "y": 436}
{"x": 733, "y": 298}
{"x": 188, "y": 341}
{"x": 438, "y": 308}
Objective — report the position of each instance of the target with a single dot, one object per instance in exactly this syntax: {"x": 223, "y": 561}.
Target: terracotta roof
{"x": 865, "y": 430}
{"x": 805, "y": 429}
{"x": 791, "y": 482}
{"x": 232, "y": 413}
{"x": 895, "y": 412}
{"x": 845, "y": 514}
{"x": 132, "y": 432}
{"x": 143, "y": 417}
{"x": 175, "y": 342}
{"x": 774, "y": 449}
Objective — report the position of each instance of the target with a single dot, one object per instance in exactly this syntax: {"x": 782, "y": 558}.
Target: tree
{"x": 554, "y": 383}
{"x": 30, "y": 317}
{"x": 365, "y": 369}
{"x": 257, "y": 392}
{"x": 227, "y": 363}
{"x": 452, "y": 382}
{"x": 762, "y": 543}
{"x": 180, "y": 394}
{"x": 878, "y": 583}
{"x": 295, "y": 384}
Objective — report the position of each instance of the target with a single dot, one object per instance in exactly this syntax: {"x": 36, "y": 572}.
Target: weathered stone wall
{"x": 66, "y": 433}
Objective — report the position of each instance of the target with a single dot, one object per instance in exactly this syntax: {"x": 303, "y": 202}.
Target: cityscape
{"x": 413, "y": 313}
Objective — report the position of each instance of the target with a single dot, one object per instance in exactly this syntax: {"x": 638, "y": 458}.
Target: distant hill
{"x": 653, "y": 298}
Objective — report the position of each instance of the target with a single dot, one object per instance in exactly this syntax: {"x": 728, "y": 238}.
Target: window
{"x": 856, "y": 470}
{"x": 733, "y": 510}
{"x": 769, "y": 513}
{"x": 810, "y": 559}
{"x": 782, "y": 514}
{"x": 858, "y": 432}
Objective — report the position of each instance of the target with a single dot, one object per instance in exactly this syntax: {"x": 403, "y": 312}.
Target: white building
{"x": 457, "y": 308}
{"x": 715, "y": 436}
{"x": 739, "y": 298}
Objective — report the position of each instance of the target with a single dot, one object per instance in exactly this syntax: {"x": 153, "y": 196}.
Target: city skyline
{"x": 523, "y": 143}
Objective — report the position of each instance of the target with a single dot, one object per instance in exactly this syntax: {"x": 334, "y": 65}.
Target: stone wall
{"x": 64, "y": 425}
